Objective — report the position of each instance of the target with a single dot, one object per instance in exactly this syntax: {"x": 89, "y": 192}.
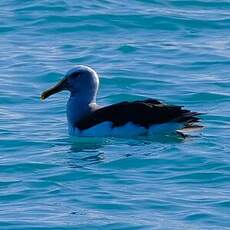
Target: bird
{"x": 86, "y": 118}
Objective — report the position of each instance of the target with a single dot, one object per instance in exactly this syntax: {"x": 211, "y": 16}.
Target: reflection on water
{"x": 85, "y": 151}
{"x": 79, "y": 144}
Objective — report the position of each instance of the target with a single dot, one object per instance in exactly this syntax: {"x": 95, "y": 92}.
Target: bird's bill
{"x": 55, "y": 89}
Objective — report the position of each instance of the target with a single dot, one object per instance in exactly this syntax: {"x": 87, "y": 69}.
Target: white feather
{"x": 105, "y": 129}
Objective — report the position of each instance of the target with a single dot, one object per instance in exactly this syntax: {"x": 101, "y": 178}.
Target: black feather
{"x": 144, "y": 113}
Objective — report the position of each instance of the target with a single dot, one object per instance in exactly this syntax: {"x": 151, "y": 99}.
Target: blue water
{"x": 174, "y": 50}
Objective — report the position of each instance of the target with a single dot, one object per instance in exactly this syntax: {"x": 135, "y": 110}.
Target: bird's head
{"x": 81, "y": 81}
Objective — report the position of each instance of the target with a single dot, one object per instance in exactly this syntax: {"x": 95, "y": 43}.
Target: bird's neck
{"x": 78, "y": 107}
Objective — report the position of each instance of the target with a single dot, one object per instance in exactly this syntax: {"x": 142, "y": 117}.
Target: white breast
{"x": 128, "y": 130}
{"x": 105, "y": 129}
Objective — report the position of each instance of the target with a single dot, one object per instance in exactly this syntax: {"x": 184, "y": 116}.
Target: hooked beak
{"x": 62, "y": 85}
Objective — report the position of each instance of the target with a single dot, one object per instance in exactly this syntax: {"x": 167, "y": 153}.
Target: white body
{"x": 128, "y": 130}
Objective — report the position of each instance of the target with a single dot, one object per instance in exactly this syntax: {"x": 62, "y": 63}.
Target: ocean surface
{"x": 177, "y": 51}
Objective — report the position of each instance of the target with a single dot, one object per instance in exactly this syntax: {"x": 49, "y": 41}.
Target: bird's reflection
{"x": 94, "y": 158}
{"x": 86, "y": 151}
{"x": 87, "y": 143}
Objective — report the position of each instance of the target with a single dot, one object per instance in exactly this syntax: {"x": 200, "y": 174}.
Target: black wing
{"x": 144, "y": 113}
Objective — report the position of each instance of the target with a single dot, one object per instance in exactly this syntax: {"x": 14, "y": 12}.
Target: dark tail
{"x": 190, "y": 120}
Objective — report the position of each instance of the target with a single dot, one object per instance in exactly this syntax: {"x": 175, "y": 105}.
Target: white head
{"x": 81, "y": 81}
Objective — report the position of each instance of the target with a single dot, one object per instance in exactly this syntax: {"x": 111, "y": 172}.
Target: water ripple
{"x": 176, "y": 51}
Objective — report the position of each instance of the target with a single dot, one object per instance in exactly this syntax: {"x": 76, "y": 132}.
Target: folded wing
{"x": 143, "y": 113}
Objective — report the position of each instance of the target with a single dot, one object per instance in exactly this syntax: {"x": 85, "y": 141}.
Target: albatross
{"x": 141, "y": 117}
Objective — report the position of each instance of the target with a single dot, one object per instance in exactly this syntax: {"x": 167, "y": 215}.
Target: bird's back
{"x": 144, "y": 113}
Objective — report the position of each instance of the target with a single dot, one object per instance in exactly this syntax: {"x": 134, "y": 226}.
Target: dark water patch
{"x": 224, "y": 5}
{"x": 127, "y": 48}
{"x": 208, "y": 97}
{"x": 7, "y": 29}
